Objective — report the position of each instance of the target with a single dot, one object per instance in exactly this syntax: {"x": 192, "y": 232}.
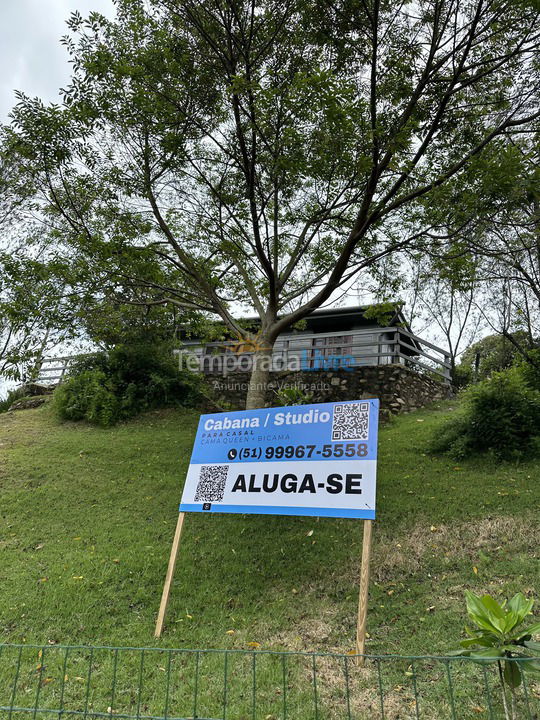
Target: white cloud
{"x": 31, "y": 56}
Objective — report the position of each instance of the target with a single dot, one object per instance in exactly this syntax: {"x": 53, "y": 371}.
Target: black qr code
{"x": 350, "y": 421}
{"x": 211, "y": 485}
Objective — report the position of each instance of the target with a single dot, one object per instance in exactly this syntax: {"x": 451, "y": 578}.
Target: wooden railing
{"x": 326, "y": 351}
{"x": 52, "y": 370}
{"x": 345, "y": 350}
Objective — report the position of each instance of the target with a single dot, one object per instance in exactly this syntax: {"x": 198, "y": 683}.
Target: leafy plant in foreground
{"x": 500, "y": 638}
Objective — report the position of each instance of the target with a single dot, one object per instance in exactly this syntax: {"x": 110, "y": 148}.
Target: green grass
{"x": 87, "y": 518}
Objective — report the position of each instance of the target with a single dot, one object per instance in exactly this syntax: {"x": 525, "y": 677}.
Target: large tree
{"x": 259, "y": 154}
{"x": 34, "y": 313}
{"x": 38, "y": 312}
{"x": 509, "y": 238}
{"x": 496, "y": 234}
{"x": 442, "y": 297}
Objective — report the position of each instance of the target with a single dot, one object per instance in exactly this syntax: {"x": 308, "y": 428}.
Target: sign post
{"x": 311, "y": 460}
{"x": 168, "y": 579}
{"x": 364, "y": 591}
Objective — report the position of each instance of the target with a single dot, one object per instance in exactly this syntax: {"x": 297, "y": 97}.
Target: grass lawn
{"x": 87, "y": 517}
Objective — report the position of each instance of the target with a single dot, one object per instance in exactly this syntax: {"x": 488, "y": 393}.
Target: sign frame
{"x": 209, "y": 457}
{"x": 297, "y": 460}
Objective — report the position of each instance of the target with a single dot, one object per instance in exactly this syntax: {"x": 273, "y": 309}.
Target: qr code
{"x": 350, "y": 421}
{"x": 211, "y": 485}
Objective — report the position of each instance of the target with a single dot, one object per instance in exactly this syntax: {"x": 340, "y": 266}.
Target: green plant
{"x": 491, "y": 354}
{"x": 530, "y": 371}
{"x": 105, "y": 388}
{"x": 501, "y": 638}
{"x": 500, "y": 415}
{"x": 293, "y": 395}
{"x": 88, "y": 395}
{"x": 11, "y": 397}
{"x": 462, "y": 376}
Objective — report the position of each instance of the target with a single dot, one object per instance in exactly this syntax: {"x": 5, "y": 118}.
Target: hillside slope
{"x": 87, "y": 517}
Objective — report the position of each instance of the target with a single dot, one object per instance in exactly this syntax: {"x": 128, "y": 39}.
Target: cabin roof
{"x": 345, "y": 318}
{"x": 341, "y": 319}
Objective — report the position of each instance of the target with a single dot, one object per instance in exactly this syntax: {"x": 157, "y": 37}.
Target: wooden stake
{"x": 364, "y": 591}
{"x": 169, "y": 576}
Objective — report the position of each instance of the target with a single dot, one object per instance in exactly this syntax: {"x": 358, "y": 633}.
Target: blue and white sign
{"x": 316, "y": 460}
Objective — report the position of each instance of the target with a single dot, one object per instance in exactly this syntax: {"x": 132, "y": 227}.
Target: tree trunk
{"x": 260, "y": 374}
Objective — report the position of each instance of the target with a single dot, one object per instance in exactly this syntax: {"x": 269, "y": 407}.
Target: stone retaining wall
{"x": 398, "y": 388}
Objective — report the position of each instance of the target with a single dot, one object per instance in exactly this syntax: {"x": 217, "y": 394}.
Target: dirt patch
{"x": 306, "y": 635}
{"x": 407, "y": 555}
{"x": 345, "y": 690}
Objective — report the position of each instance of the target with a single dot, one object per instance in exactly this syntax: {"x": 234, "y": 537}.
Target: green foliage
{"x": 531, "y": 370}
{"x": 37, "y": 311}
{"x": 493, "y": 353}
{"x": 88, "y": 395}
{"x": 194, "y": 160}
{"x": 500, "y": 415}
{"x": 11, "y": 397}
{"x": 293, "y": 396}
{"x": 109, "y": 324}
{"x": 382, "y": 312}
{"x": 500, "y": 632}
{"x": 462, "y": 376}
{"x": 500, "y": 637}
{"x": 105, "y": 388}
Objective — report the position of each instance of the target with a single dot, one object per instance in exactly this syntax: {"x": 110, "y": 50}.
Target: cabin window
{"x": 330, "y": 346}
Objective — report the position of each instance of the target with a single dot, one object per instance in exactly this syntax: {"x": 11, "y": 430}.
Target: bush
{"x": 462, "y": 376}
{"x": 105, "y": 388}
{"x": 500, "y": 415}
{"x": 88, "y": 395}
{"x": 494, "y": 354}
{"x": 11, "y": 397}
{"x": 530, "y": 372}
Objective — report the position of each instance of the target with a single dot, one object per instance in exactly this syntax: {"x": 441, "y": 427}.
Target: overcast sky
{"x": 31, "y": 57}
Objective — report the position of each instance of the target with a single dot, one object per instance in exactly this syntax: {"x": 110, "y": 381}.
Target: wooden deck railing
{"x": 303, "y": 352}
{"x": 327, "y": 351}
{"x": 52, "y": 370}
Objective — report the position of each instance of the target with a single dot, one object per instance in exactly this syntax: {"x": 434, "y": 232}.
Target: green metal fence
{"x": 169, "y": 684}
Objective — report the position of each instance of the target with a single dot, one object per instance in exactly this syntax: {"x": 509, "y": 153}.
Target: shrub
{"x": 462, "y": 376}
{"x": 494, "y": 353}
{"x": 530, "y": 372}
{"x": 88, "y": 395}
{"x": 11, "y": 397}
{"x": 500, "y": 415}
{"x": 104, "y": 388}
